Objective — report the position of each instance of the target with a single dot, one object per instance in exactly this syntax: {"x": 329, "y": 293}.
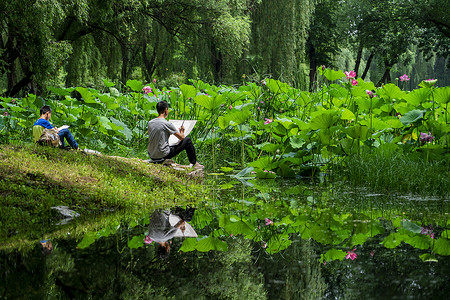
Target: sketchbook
{"x": 188, "y": 232}
{"x": 63, "y": 127}
{"x": 188, "y": 126}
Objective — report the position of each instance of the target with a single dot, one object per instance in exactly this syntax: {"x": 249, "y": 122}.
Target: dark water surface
{"x": 256, "y": 240}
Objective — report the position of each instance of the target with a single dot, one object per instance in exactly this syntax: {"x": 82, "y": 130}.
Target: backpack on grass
{"x": 50, "y": 137}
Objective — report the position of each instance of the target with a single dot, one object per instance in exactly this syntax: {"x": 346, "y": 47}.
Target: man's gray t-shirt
{"x": 159, "y": 130}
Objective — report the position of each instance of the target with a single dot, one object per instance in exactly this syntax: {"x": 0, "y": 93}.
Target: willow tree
{"x": 114, "y": 37}
{"x": 279, "y": 34}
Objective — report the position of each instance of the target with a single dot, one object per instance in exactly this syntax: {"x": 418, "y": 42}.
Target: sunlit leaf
{"x": 188, "y": 91}
{"x": 427, "y": 257}
{"x": 189, "y": 244}
{"x": 333, "y": 254}
{"x": 136, "y": 242}
{"x": 442, "y": 95}
{"x": 87, "y": 96}
{"x": 418, "y": 96}
{"x": 393, "y": 240}
{"x": 442, "y": 246}
{"x": 333, "y": 75}
{"x": 418, "y": 241}
{"x": 135, "y": 85}
{"x": 392, "y": 91}
{"x": 211, "y": 243}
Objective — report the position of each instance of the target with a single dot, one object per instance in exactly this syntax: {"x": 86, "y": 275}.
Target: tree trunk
{"x": 366, "y": 69}
{"x": 125, "y": 61}
{"x": 312, "y": 67}
{"x": 217, "y": 62}
{"x": 387, "y": 74}
{"x": 358, "y": 59}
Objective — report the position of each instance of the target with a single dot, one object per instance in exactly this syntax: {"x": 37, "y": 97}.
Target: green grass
{"x": 397, "y": 172}
{"x": 34, "y": 178}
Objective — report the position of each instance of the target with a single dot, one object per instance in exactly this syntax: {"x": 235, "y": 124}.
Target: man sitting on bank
{"x": 43, "y": 122}
{"x": 159, "y": 130}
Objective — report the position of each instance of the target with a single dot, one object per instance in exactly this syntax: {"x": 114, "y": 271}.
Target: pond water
{"x": 263, "y": 239}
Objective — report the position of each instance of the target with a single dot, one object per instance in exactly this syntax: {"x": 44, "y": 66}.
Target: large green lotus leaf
{"x": 136, "y": 242}
{"x": 359, "y": 238}
{"x": 105, "y": 122}
{"x": 428, "y": 257}
{"x": 287, "y": 123}
{"x": 392, "y": 91}
{"x": 211, "y": 243}
{"x": 301, "y": 124}
{"x": 402, "y": 107}
{"x": 411, "y": 117}
{"x": 333, "y": 75}
{"x": 324, "y": 120}
{"x": 123, "y": 128}
{"x": 418, "y": 96}
{"x": 418, "y": 241}
{"x": 442, "y": 246}
{"x": 393, "y": 122}
{"x": 296, "y": 142}
{"x": 135, "y": 85}
{"x": 410, "y": 226}
{"x": 276, "y": 86}
{"x": 88, "y": 239}
{"x": 278, "y": 242}
{"x": 337, "y": 91}
{"x": 189, "y": 244}
{"x": 60, "y": 91}
{"x": 363, "y": 103}
{"x": 238, "y": 227}
{"x": 357, "y": 132}
{"x": 393, "y": 240}
{"x": 87, "y": 96}
{"x": 304, "y": 99}
{"x": 346, "y": 114}
{"x": 333, "y": 254}
{"x": 208, "y": 102}
{"x": 188, "y": 91}
{"x": 108, "y": 83}
{"x": 238, "y": 116}
{"x": 442, "y": 95}
{"x": 271, "y": 147}
{"x": 377, "y": 124}
{"x": 360, "y": 90}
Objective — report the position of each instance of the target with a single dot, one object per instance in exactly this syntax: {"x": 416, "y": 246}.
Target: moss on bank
{"x": 34, "y": 178}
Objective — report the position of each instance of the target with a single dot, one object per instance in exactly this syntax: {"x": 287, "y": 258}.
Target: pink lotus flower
{"x": 147, "y": 240}
{"x": 428, "y": 230}
{"x": 426, "y": 137}
{"x": 13, "y": 101}
{"x": 323, "y": 67}
{"x": 351, "y": 254}
{"x": 5, "y": 113}
{"x": 154, "y": 80}
{"x": 404, "y": 78}
{"x": 264, "y": 245}
{"x": 263, "y": 82}
{"x": 350, "y": 75}
{"x": 147, "y": 89}
{"x": 230, "y": 107}
{"x": 372, "y": 253}
{"x": 267, "y": 121}
{"x": 370, "y": 93}
{"x": 268, "y": 221}
{"x": 354, "y": 82}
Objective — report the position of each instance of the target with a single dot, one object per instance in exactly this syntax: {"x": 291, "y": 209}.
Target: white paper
{"x": 189, "y": 230}
{"x": 188, "y": 126}
{"x": 63, "y": 127}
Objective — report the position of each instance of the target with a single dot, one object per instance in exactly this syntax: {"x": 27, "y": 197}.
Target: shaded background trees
{"x": 69, "y": 43}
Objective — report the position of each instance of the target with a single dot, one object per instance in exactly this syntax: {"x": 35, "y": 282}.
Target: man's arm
{"x": 180, "y": 134}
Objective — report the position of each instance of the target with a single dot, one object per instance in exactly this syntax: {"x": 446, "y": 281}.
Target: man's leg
{"x": 65, "y": 133}
{"x": 185, "y": 144}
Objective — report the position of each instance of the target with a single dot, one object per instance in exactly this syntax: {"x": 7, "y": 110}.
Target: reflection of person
{"x": 159, "y": 130}
{"x": 161, "y": 231}
{"x": 43, "y": 122}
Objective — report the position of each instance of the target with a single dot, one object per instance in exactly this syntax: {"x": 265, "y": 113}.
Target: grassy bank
{"x": 398, "y": 172}
{"x": 34, "y": 178}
